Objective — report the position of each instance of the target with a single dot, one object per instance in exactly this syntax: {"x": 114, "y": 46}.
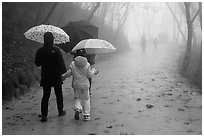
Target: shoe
{"x": 87, "y": 117}
{"x": 76, "y": 115}
{"x": 43, "y": 119}
{"x": 62, "y": 113}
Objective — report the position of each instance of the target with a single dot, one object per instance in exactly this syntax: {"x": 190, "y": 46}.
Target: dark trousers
{"x": 90, "y": 82}
{"x": 46, "y": 96}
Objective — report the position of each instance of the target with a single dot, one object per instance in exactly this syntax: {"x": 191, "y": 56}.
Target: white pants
{"x": 82, "y": 100}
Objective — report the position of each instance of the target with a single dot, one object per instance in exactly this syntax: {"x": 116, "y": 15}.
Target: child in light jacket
{"x": 81, "y": 71}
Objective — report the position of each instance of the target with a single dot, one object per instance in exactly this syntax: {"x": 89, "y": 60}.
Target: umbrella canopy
{"x": 37, "y": 34}
{"x": 78, "y": 31}
{"x": 95, "y": 46}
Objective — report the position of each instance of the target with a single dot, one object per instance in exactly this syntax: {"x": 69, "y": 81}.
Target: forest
{"x": 150, "y": 85}
{"x": 122, "y": 24}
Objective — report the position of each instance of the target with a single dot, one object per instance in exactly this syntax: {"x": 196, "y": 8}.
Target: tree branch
{"x": 176, "y": 21}
{"x": 196, "y": 14}
{"x": 50, "y": 12}
{"x": 93, "y": 11}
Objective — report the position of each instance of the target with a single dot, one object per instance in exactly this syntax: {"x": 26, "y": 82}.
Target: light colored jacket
{"x": 80, "y": 70}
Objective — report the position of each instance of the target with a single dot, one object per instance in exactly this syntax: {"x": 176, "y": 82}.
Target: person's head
{"x": 48, "y": 39}
{"x": 81, "y": 52}
{"x": 80, "y": 61}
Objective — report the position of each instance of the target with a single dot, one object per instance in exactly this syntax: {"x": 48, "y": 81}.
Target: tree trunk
{"x": 38, "y": 15}
{"x": 176, "y": 21}
{"x": 177, "y": 35}
{"x": 93, "y": 11}
{"x": 103, "y": 16}
{"x": 61, "y": 15}
{"x": 200, "y": 62}
{"x": 110, "y": 34}
{"x": 189, "y": 41}
{"x": 50, "y": 13}
{"x": 200, "y": 14}
{"x": 122, "y": 21}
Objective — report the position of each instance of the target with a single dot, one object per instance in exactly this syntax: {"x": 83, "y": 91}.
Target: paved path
{"x": 132, "y": 94}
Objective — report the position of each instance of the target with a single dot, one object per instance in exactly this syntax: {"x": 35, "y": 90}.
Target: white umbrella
{"x": 37, "y": 34}
{"x": 95, "y": 46}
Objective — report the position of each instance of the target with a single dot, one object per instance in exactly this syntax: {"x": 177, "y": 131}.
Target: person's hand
{"x": 96, "y": 72}
{"x": 63, "y": 78}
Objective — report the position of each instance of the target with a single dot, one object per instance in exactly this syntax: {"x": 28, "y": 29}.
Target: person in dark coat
{"x": 91, "y": 60}
{"x": 52, "y": 67}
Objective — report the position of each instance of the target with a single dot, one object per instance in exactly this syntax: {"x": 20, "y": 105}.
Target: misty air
{"x": 101, "y": 68}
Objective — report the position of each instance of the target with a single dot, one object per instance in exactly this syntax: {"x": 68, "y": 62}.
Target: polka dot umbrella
{"x": 37, "y": 34}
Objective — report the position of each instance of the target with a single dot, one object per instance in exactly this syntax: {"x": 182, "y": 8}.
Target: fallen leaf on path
{"x": 140, "y": 111}
{"x": 9, "y": 108}
{"x": 109, "y": 126}
{"x": 180, "y": 109}
{"x": 149, "y": 106}
{"x": 186, "y": 123}
{"x": 97, "y": 118}
{"x": 139, "y": 99}
{"x": 122, "y": 133}
{"x": 106, "y": 131}
{"x": 166, "y": 105}
{"x": 92, "y": 133}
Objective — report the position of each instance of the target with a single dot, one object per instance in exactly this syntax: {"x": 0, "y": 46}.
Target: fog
{"x": 164, "y": 21}
{"x": 151, "y": 85}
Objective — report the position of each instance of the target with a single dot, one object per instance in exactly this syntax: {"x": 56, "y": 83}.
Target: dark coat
{"x": 52, "y": 65}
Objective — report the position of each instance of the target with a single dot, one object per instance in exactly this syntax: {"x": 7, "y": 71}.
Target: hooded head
{"x": 80, "y": 61}
{"x": 81, "y": 52}
{"x": 48, "y": 39}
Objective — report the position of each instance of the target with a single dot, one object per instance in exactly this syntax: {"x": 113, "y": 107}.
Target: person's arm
{"x": 91, "y": 71}
{"x": 66, "y": 75}
{"x": 38, "y": 60}
{"x": 62, "y": 65}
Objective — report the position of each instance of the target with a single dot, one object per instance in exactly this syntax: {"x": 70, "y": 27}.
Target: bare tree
{"x": 50, "y": 13}
{"x": 200, "y": 62}
{"x": 93, "y": 11}
{"x": 62, "y": 14}
{"x": 190, "y": 21}
{"x": 200, "y": 14}
{"x": 122, "y": 19}
{"x": 38, "y": 14}
{"x": 112, "y": 8}
{"x": 177, "y": 22}
{"x": 104, "y": 13}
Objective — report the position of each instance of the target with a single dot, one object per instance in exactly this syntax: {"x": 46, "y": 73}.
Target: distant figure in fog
{"x": 143, "y": 43}
{"x": 155, "y": 43}
{"x": 52, "y": 67}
